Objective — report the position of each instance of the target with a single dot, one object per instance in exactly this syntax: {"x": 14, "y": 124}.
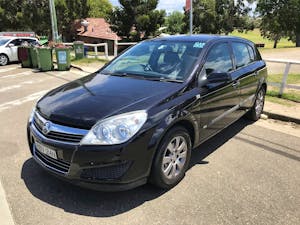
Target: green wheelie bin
{"x": 45, "y": 61}
{"x": 33, "y": 56}
{"x": 79, "y": 49}
{"x": 63, "y": 58}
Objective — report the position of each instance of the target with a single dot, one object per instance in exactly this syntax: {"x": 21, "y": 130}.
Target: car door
{"x": 219, "y": 100}
{"x": 245, "y": 73}
{"x": 12, "y": 49}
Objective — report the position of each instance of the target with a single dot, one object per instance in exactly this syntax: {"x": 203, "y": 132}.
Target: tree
{"x": 219, "y": 16}
{"x": 11, "y": 15}
{"x": 175, "y": 23}
{"x": 136, "y": 16}
{"x": 99, "y": 8}
{"x": 280, "y": 18}
{"x": 38, "y": 20}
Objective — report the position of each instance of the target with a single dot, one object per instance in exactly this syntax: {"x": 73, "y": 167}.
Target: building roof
{"x": 97, "y": 28}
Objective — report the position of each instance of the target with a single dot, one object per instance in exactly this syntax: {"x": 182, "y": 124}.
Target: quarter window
{"x": 219, "y": 59}
{"x": 241, "y": 53}
{"x": 251, "y": 52}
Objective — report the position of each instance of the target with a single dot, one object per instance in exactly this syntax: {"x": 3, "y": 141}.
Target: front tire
{"x": 257, "y": 109}
{"x": 3, "y": 60}
{"x": 172, "y": 158}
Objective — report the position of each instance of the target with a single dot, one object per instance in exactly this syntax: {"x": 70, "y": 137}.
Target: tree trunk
{"x": 298, "y": 39}
{"x": 275, "y": 43}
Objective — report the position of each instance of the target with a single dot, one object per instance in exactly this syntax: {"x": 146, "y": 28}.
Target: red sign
{"x": 18, "y": 34}
{"x": 187, "y": 5}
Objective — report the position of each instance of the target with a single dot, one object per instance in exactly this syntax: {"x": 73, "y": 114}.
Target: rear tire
{"x": 257, "y": 109}
{"x": 3, "y": 60}
{"x": 172, "y": 158}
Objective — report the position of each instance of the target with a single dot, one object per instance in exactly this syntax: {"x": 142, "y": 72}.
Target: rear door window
{"x": 16, "y": 42}
{"x": 241, "y": 54}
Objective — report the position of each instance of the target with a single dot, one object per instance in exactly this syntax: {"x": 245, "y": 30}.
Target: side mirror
{"x": 218, "y": 77}
{"x": 10, "y": 45}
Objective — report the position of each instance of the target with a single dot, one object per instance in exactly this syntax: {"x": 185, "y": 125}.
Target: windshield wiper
{"x": 163, "y": 79}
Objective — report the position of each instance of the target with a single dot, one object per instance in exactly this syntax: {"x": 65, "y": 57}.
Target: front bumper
{"x": 106, "y": 168}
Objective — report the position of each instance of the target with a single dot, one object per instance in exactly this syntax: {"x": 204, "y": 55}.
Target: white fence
{"x": 283, "y": 83}
{"x": 95, "y": 48}
{"x": 117, "y": 44}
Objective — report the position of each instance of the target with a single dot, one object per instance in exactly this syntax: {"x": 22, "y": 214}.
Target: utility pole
{"x": 53, "y": 21}
{"x": 191, "y": 17}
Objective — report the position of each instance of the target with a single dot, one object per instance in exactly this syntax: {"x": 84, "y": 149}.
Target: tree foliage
{"x": 175, "y": 23}
{"x": 219, "y": 16}
{"x": 99, "y": 8}
{"x": 280, "y": 18}
{"x": 138, "y": 17}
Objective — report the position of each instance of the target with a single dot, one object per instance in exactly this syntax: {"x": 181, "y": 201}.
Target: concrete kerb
{"x": 5, "y": 213}
{"x": 280, "y": 117}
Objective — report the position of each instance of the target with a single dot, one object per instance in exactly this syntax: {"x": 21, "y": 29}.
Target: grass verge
{"x": 277, "y": 78}
{"x": 291, "y": 95}
{"x": 85, "y": 61}
{"x": 279, "y": 101}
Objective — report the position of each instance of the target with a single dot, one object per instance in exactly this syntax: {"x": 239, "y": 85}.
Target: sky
{"x": 168, "y": 5}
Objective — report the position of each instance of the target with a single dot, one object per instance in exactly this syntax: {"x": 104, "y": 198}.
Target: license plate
{"x": 45, "y": 150}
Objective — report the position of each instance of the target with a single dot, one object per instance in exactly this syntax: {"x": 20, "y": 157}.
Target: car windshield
{"x": 3, "y": 41}
{"x": 160, "y": 60}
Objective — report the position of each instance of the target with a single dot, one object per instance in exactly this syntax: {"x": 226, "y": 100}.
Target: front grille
{"x": 106, "y": 173}
{"x": 38, "y": 122}
{"x": 56, "y": 165}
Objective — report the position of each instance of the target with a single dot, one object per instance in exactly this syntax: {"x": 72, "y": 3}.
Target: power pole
{"x": 191, "y": 17}
{"x": 55, "y": 37}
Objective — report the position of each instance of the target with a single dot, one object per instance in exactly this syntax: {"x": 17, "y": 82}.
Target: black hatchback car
{"x": 138, "y": 118}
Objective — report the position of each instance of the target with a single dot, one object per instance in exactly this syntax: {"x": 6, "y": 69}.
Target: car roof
{"x": 12, "y": 37}
{"x": 199, "y": 37}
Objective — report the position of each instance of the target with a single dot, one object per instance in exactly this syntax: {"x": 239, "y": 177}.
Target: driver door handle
{"x": 236, "y": 83}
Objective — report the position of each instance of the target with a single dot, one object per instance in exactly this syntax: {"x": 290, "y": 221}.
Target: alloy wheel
{"x": 259, "y": 103}
{"x": 174, "y": 157}
{"x": 3, "y": 60}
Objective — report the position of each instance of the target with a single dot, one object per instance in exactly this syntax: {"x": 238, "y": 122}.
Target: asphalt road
{"x": 248, "y": 174}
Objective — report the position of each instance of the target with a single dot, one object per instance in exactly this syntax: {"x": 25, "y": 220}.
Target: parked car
{"x": 138, "y": 118}
{"x": 9, "y": 48}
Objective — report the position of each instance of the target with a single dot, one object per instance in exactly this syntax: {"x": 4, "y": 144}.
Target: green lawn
{"x": 256, "y": 37}
{"x": 292, "y": 95}
{"x": 292, "y": 78}
{"x": 87, "y": 61}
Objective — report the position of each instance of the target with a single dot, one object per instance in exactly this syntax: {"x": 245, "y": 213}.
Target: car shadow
{"x": 86, "y": 202}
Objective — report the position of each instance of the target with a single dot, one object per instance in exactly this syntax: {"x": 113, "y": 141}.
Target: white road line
{"x": 5, "y": 214}
{"x": 20, "y": 101}
{"x": 19, "y": 85}
{"x": 82, "y": 73}
{"x": 7, "y": 69}
{"x": 26, "y": 73}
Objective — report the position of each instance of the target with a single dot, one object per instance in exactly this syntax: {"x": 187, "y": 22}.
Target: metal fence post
{"x": 115, "y": 48}
{"x": 96, "y": 51}
{"x": 284, "y": 78}
{"x": 106, "y": 50}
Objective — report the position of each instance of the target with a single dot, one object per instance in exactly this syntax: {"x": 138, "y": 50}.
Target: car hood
{"x": 85, "y": 101}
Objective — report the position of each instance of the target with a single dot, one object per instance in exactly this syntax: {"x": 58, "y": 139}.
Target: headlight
{"x": 30, "y": 119}
{"x": 115, "y": 130}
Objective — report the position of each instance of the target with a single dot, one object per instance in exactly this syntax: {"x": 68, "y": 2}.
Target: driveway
{"x": 247, "y": 174}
